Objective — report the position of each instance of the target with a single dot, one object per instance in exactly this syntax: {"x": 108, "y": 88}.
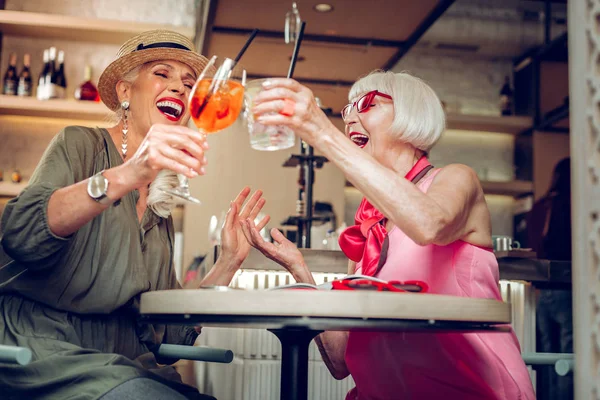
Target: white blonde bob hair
{"x": 419, "y": 118}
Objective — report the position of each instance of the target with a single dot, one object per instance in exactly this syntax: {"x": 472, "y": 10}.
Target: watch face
{"x": 97, "y": 186}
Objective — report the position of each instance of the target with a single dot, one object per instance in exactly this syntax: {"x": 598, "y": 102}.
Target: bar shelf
{"x": 66, "y": 27}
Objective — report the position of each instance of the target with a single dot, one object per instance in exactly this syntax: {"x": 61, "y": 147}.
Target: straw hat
{"x": 148, "y": 46}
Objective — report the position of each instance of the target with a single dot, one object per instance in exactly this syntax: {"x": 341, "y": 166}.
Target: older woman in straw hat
{"x": 92, "y": 231}
{"x": 416, "y": 222}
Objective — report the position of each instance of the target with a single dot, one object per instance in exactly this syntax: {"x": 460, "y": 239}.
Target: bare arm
{"x": 332, "y": 345}
{"x": 70, "y": 208}
{"x": 351, "y": 267}
{"x": 234, "y": 247}
{"x": 440, "y": 216}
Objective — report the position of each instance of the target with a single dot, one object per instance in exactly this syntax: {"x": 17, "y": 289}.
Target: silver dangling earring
{"x": 125, "y": 107}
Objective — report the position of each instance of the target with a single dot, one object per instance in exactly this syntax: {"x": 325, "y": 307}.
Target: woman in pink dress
{"x": 416, "y": 222}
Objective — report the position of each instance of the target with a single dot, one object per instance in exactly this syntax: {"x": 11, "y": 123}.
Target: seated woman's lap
{"x": 145, "y": 388}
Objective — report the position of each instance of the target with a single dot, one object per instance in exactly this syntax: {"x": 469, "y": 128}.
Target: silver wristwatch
{"x": 97, "y": 188}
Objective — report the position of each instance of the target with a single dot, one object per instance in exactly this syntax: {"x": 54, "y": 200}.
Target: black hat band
{"x": 169, "y": 45}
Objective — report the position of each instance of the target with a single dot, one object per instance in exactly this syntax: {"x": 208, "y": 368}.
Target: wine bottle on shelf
{"x": 11, "y": 79}
{"x": 24, "y": 87}
{"x": 59, "y": 81}
{"x": 50, "y": 89}
{"x": 41, "y": 88}
{"x": 506, "y": 98}
{"x": 87, "y": 90}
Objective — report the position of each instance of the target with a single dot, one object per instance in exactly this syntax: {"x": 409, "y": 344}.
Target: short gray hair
{"x": 418, "y": 113}
{"x": 129, "y": 77}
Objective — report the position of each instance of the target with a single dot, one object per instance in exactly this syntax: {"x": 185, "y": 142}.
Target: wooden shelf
{"x": 64, "y": 109}
{"x": 54, "y": 26}
{"x": 509, "y": 188}
{"x": 11, "y": 189}
{"x": 486, "y": 123}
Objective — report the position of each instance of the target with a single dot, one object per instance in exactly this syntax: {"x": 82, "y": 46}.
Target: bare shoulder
{"x": 458, "y": 171}
{"x": 458, "y": 176}
{"x": 458, "y": 185}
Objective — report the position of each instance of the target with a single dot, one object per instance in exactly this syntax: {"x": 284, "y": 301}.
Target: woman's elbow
{"x": 339, "y": 372}
{"x": 431, "y": 232}
{"x": 9, "y": 246}
{"x": 27, "y": 246}
{"x": 10, "y": 240}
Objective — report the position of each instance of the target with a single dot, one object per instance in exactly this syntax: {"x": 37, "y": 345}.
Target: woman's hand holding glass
{"x": 173, "y": 147}
{"x": 215, "y": 102}
{"x": 234, "y": 246}
{"x": 286, "y": 102}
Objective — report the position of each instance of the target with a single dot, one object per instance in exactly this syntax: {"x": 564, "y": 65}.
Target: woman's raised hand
{"x": 234, "y": 246}
{"x": 283, "y": 252}
{"x": 173, "y": 147}
{"x": 292, "y": 105}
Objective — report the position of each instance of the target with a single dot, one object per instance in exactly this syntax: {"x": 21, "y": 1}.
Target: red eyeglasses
{"x": 363, "y": 103}
{"x": 391, "y": 286}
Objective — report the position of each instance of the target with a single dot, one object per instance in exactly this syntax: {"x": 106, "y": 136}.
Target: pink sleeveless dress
{"x": 426, "y": 366}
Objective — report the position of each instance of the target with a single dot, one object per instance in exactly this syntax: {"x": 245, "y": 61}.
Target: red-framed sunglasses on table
{"x": 391, "y": 286}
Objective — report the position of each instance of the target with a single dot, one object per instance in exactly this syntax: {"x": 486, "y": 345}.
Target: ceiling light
{"x": 323, "y": 7}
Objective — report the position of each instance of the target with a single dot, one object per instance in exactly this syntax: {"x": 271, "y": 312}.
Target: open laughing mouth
{"x": 171, "y": 108}
{"x": 359, "y": 139}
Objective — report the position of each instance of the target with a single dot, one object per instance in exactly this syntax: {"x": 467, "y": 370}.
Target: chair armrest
{"x": 14, "y": 355}
{"x": 209, "y": 354}
{"x": 563, "y": 362}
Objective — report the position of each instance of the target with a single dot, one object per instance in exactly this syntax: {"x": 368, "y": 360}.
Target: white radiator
{"x": 521, "y": 296}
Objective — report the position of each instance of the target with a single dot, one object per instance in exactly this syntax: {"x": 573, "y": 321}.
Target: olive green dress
{"x": 73, "y": 301}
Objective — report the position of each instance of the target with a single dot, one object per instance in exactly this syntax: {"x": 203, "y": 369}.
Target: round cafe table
{"x": 297, "y": 316}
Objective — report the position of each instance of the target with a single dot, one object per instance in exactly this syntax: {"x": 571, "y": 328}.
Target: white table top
{"x": 220, "y": 308}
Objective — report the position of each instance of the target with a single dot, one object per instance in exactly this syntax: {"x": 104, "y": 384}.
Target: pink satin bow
{"x": 364, "y": 240}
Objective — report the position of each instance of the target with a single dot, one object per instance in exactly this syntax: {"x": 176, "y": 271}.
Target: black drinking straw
{"x": 243, "y": 50}
{"x": 296, "y": 50}
{"x": 240, "y": 54}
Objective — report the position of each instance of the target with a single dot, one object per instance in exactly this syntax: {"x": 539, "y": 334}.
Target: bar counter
{"x": 514, "y": 265}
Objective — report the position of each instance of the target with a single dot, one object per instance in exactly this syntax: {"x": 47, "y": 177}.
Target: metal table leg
{"x": 294, "y": 362}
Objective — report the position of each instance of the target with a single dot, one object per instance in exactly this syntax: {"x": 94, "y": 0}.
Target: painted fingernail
{"x": 202, "y": 171}
{"x": 267, "y": 84}
{"x": 205, "y": 145}
{"x": 204, "y": 160}
{"x": 193, "y": 173}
